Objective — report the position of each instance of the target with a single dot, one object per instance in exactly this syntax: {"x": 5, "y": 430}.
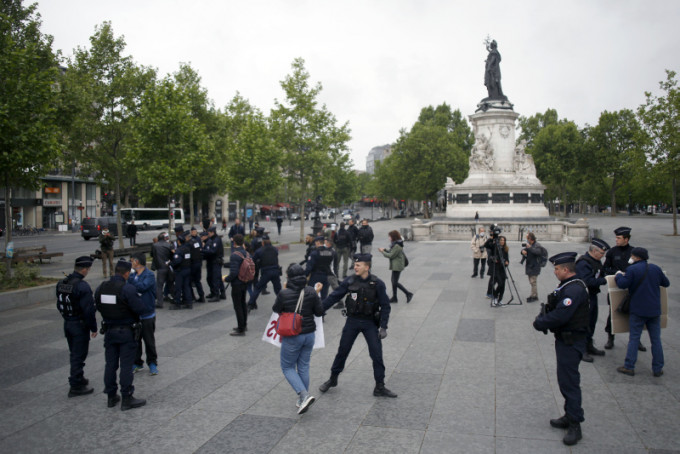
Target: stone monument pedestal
{"x": 502, "y": 183}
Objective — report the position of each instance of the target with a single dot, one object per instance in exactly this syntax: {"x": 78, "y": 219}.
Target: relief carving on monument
{"x": 481, "y": 158}
{"x": 523, "y": 163}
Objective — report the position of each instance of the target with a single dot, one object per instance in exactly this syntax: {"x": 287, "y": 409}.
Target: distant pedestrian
{"x": 76, "y": 305}
{"x": 343, "y": 243}
{"x": 224, "y": 225}
{"x": 643, "y": 279}
{"x": 132, "y": 232}
{"x": 106, "y": 247}
{"x": 353, "y": 231}
{"x": 365, "y": 237}
{"x": 397, "y": 264}
{"x": 478, "y": 253}
{"x": 279, "y": 222}
{"x": 236, "y": 229}
{"x": 296, "y": 351}
{"x": 476, "y": 216}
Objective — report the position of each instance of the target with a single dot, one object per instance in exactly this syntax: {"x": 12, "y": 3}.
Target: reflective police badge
{"x": 567, "y": 302}
{"x": 354, "y": 296}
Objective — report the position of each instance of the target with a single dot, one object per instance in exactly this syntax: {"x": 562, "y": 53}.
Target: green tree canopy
{"x": 660, "y": 116}
{"x": 28, "y": 101}
{"x": 308, "y": 134}
{"x": 437, "y": 146}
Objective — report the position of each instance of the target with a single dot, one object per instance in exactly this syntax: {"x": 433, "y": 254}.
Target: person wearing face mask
{"x": 478, "y": 252}
{"x": 617, "y": 259}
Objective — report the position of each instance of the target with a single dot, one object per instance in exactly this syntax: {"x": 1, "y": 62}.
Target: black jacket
{"x": 287, "y": 299}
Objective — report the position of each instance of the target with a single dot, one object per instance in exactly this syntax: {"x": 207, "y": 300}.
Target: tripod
{"x": 498, "y": 256}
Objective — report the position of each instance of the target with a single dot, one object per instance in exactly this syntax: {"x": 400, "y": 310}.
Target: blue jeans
{"x": 654, "y": 329}
{"x": 296, "y": 352}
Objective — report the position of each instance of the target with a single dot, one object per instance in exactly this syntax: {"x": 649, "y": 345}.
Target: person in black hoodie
{"x": 296, "y": 351}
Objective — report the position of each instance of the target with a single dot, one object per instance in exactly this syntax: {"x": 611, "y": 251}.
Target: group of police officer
{"x": 571, "y": 314}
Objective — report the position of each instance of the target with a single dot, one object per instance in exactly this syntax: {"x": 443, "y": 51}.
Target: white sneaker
{"x": 304, "y": 406}
{"x": 298, "y": 403}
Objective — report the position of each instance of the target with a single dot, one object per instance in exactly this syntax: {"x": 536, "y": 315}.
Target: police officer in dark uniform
{"x": 319, "y": 265}
{"x": 311, "y": 245}
{"x": 589, "y": 270}
{"x": 617, "y": 259}
{"x": 181, "y": 265}
{"x": 266, "y": 259}
{"x": 368, "y": 311}
{"x": 120, "y": 306}
{"x": 196, "y": 247}
{"x": 256, "y": 244}
{"x": 567, "y": 315}
{"x": 213, "y": 251}
{"x": 76, "y": 305}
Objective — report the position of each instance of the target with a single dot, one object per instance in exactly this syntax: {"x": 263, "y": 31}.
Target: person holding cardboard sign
{"x": 643, "y": 279}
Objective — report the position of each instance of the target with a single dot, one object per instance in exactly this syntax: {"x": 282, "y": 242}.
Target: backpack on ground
{"x": 246, "y": 272}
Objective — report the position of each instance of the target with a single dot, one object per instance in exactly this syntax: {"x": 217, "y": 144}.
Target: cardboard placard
{"x": 619, "y": 320}
{"x": 271, "y": 336}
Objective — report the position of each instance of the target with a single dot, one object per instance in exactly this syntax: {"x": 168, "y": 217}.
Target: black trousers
{"x": 149, "y": 339}
{"x": 183, "y": 286}
{"x": 196, "y": 278}
{"x": 569, "y": 378}
{"x": 496, "y": 285}
{"x": 120, "y": 349}
{"x": 476, "y": 265}
{"x": 354, "y": 327}
{"x": 238, "y": 296}
{"x": 592, "y": 317}
{"x": 396, "y": 285}
{"x": 78, "y": 338}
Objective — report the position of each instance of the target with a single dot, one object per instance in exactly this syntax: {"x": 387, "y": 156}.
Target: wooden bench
{"x": 33, "y": 254}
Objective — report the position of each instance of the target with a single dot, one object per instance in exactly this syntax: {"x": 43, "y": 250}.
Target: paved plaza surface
{"x": 470, "y": 378}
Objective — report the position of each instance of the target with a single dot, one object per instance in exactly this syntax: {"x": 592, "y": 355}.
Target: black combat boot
{"x": 223, "y": 296}
{"x": 587, "y": 358}
{"x": 113, "y": 400}
{"x": 641, "y": 347}
{"x": 610, "y": 342}
{"x": 592, "y": 350}
{"x": 80, "y": 391}
{"x": 381, "y": 391}
{"x": 131, "y": 402}
{"x": 560, "y": 423}
{"x": 333, "y": 381}
{"x": 573, "y": 433}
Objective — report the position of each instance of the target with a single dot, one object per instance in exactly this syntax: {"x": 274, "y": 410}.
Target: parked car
{"x": 347, "y": 215}
{"x": 295, "y": 217}
{"x": 92, "y": 227}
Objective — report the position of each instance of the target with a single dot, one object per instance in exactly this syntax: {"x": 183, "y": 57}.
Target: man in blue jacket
{"x": 642, "y": 279}
{"x": 145, "y": 282}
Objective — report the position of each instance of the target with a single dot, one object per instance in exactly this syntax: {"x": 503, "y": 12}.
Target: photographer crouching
{"x": 534, "y": 256}
{"x": 498, "y": 259}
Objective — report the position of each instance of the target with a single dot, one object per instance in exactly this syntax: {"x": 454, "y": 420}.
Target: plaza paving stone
{"x": 470, "y": 378}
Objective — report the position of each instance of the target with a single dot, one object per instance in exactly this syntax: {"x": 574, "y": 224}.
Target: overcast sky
{"x": 381, "y": 62}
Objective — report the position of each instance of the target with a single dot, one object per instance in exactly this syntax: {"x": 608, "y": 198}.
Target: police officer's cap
{"x": 319, "y": 238}
{"x": 362, "y": 257}
{"x": 602, "y": 244}
{"x": 84, "y": 261}
{"x": 124, "y": 264}
{"x": 295, "y": 270}
{"x": 563, "y": 257}
{"x": 640, "y": 252}
{"x": 623, "y": 231}
{"x": 265, "y": 237}
{"x": 259, "y": 230}
{"x": 212, "y": 229}
{"x": 194, "y": 229}
{"x": 179, "y": 229}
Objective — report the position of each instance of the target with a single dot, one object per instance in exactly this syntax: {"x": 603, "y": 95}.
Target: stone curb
{"x": 26, "y": 297}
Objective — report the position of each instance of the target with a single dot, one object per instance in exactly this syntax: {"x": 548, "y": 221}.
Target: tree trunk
{"x": 564, "y": 201}
{"x": 675, "y": 206}
{"x": 171, "y": 218}
{"x": 191, "y": 207}
{"x": 302, "y": 219}
{"x": 612, "y": 193}
{"x": 8, "y": 225}
{"x": 119, "y": 224}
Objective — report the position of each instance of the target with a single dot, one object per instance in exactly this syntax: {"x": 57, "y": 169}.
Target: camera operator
{"x": 532, "y": 254}
{"x": 498, "y": 259}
